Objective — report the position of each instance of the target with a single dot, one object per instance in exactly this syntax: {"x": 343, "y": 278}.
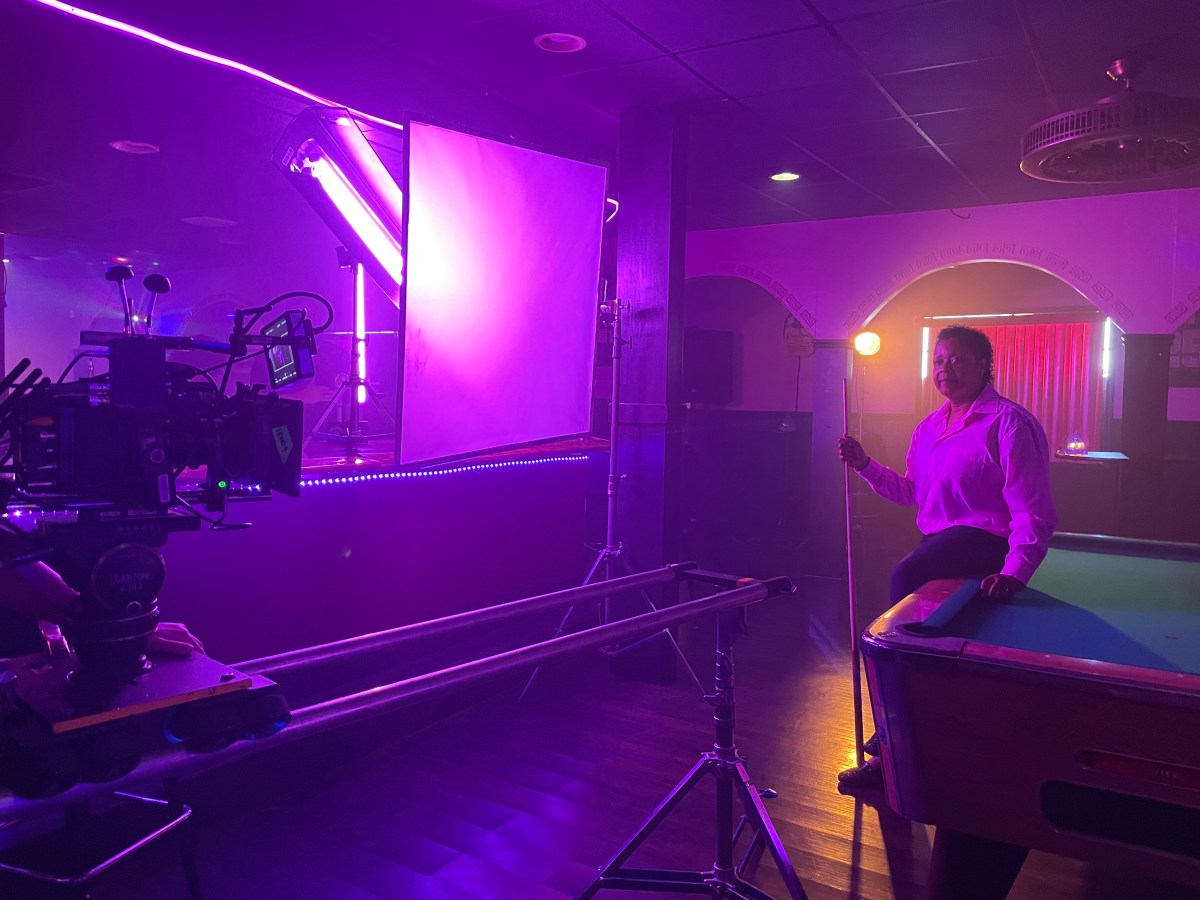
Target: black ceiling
{"x": 882, "y": 106}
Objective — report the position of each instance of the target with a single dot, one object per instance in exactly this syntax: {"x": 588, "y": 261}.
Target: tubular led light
{"x": 1106, "y": 356}
{"x": 358, "y": 215}
{"x": 924, "y": 352}
{"x": 983, "y": 316}
{"x": 360, "y": 330}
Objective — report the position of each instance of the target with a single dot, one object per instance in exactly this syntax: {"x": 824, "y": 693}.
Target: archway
{"x": 986, "y": 293}
{"x": 990, "y": 295}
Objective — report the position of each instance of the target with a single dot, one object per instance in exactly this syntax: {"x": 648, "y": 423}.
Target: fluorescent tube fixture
{"x": 1106, "y": 355}
{"x": 360, "y": 331}
{"x": 982, "y": 316}
{"x": 325, "y": 155}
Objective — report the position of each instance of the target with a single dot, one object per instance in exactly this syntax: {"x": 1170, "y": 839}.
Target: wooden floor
{"x": 523, "y": 801}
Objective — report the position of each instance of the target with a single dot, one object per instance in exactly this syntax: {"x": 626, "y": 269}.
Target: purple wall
{"x": 1132, "y": 256}
{"x": 342, "y": 560}
{"x": 766, "y": 376}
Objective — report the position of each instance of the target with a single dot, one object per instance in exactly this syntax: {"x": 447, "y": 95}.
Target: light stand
{"x": 355, "y": 388}
{"x": 611, "y": 554}
{"x": 866, "y": 345}
{"x": 725, "y": 764}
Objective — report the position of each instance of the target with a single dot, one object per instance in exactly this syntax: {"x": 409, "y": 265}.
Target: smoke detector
{"x": 1127, "y": 137}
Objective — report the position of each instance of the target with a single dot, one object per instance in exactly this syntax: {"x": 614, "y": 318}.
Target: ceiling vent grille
{"x": 1128, "y": 137}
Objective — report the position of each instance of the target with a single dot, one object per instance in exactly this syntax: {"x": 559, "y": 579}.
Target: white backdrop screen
{"x": 503, "y": 266}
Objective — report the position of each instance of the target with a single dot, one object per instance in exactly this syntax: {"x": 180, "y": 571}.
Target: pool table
{"x": 1066, "y": 720}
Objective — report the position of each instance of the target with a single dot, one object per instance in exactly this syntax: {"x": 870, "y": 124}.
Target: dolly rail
{"x": 328, "y": 713}
{"x": 320, "y": 717}
{"x": 305, "y": 656}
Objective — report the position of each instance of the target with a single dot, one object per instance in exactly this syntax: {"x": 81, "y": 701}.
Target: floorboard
{"x": 523, "y": 801}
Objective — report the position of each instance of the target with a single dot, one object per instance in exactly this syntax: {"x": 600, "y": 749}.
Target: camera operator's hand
{"x": 35, "y": 590}
{"x": 56, "y": 644}
{"x": 173, "y": 639}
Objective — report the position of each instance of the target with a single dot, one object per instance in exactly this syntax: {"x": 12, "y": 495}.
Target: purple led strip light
{"x": 133, "y": 30}
{"x": 428, "y": 473}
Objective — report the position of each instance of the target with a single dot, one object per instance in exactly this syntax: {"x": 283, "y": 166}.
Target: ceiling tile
{"x": 1158, "y": 38}
{"x": 728, "y": 141}
{"x": 616, "y": 87}
{"x": 964, "y": 69}
{"x": 836, "y": 10}
{"x": 984, "y": 82}
{"x": 995, "y": 166}
{"x": 501, "y": 51}
{"x": 838, "y": 200}
{"x": 935, "y": 34}
{"x": 1003, "y": 123}
{"x": 824, "y": 105}
{"x": 861, "y": 137}
{"x": 688, "y": 24}
{"x": 732, "y": 204}
{"x": 1146, "y": 30}
{"x": 1075, "y": 54}
{"x": 387, "y": 20}
{"x": 776, "y": 63}
{"x": 551, "y": 99}
{"x": 912, "y": 179}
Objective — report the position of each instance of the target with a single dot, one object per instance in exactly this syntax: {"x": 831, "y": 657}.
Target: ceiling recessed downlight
{"x": 137, "y": 148}
{"x": 560, "y": 42}
{"x": 785, "y": 176}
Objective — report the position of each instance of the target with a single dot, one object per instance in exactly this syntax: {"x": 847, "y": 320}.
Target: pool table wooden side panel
{"x": 970, "y": 743}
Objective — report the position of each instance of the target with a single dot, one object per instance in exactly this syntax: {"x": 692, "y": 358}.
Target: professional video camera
{"x": 95, "y": 463}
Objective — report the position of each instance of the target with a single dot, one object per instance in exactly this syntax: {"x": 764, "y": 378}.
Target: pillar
{"x": 825, "y": 549}
{"x": 1144, "y": 494}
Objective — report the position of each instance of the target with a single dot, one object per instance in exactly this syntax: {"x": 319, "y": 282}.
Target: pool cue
{"x": 857, "y": 678}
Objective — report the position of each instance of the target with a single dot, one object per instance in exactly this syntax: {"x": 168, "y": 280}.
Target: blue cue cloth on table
{"x": 1039, "y": 623}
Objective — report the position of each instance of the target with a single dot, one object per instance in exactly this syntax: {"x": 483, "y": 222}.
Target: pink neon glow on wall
{"x": 504, "y": 258}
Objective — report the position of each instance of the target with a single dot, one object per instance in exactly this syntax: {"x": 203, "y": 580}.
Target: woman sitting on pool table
{"x": 978, "y": 471}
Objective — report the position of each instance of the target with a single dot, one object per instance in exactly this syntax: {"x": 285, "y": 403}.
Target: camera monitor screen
{"x": 287, "y": 363}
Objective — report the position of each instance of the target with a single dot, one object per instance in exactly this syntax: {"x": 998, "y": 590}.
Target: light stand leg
{"x": 612, "y": 876}
{"x": 602, "y": 559}
{"x": 725, "y": 764}
{"x": 612, "y": 552}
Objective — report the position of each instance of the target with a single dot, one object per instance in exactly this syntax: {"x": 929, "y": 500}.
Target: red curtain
{"x": 1053, "y": 370}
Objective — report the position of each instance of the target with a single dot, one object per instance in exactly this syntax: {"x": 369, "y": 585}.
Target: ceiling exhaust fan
{"x": 1129, "y": 136}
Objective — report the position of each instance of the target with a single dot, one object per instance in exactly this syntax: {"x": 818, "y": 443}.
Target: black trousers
{"x": 963, "y": 866}
{"x": 957, "y": 552}
{"x": 966, "y": 867}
